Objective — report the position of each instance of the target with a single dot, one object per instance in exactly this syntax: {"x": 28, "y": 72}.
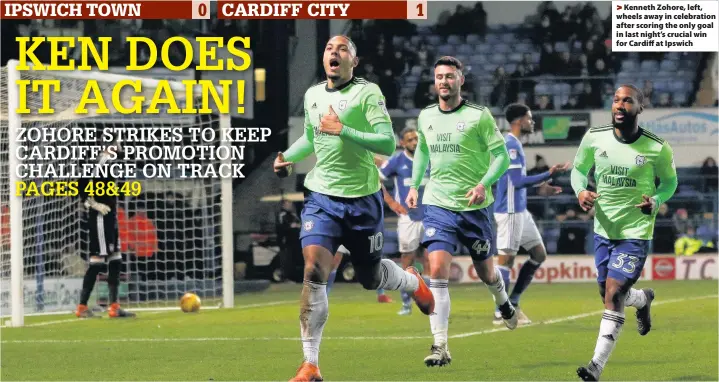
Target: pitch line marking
{"x": 235, "y": 339}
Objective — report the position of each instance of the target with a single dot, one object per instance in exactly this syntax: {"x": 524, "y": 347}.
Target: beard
{"x": 333, "y": 77}
{"x": 627, "y": 122}
{"x": 411, "y": 151}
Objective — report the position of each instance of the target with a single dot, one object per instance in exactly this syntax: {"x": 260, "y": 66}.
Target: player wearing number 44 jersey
{"x": 627, "y": 160}
{"x": 346, "y": 122}
{"x": 457, "y": 137}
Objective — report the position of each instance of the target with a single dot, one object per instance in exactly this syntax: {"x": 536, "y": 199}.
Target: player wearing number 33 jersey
{"x": 627, "y": 160}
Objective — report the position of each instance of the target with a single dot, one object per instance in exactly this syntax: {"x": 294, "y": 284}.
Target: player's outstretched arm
{"x": 667, "y": 173}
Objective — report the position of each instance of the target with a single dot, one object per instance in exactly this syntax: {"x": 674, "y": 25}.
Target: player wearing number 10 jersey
{"x": 457, "y": 137}
{"x": 627, "y": 160}
{"x": 346, "y": 122}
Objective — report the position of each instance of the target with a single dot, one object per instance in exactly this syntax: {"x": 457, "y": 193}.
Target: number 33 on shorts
{"x": 626, "y": 263}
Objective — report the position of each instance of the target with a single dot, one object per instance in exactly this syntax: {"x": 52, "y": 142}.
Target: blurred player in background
{"x": 409, "y": 226}
{"x": 627, "y": 160}
{"x": 104, "y": 237}
{"x": 457, "y": 137}
{"x": 515, "y": 225}
{"x": 346, "y": 122}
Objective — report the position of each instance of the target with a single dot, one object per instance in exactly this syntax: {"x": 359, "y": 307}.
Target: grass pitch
{"x": 364, "y": 340}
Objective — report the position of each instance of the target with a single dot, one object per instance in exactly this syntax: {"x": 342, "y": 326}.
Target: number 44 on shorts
{"x": 481, "y": 246}
{"x": 626, "y": 263}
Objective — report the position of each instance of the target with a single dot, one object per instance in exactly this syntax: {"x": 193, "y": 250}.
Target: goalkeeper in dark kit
{"x": 100, "y": 199}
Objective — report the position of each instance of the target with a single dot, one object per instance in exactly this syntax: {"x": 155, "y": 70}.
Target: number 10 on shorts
{"x": 375, "y": 242}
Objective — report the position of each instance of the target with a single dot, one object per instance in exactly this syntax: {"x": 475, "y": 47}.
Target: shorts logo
{"x": 309, "y": 224}
{"x": 460, "y": 126}
{"x": 343, "y": 104}
{"x": 513, "y": 154}
{"x": 430, "y": 231}
{"x": 641, "y": 160}
{"x": 111, "y": 247}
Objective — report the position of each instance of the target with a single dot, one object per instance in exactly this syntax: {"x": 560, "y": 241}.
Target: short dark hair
{"x": 408, "y": 129}
{"x": 351, "y": 43}
{"x": 640, "y": 93}
{"x": 514, "y": 111}
{"x": 449, "y": 61}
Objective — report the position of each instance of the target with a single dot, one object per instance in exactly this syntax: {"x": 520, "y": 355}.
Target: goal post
{"x": 176, "y": 236}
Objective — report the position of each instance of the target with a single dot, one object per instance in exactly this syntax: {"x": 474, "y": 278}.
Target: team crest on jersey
{"x": 431, "y": 231}
{"x": 641, "y": 160}
{"x": 460, "y": 126}
{"x": 512, "y": 154}
{"x": 309, "y": 224}
{"x": 343, "y": 104}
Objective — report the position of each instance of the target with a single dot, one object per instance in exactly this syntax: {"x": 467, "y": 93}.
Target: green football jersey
{"x": 624, "y": 171}
{"x": 459, "y": 144}
{"x": 344, "y": 168}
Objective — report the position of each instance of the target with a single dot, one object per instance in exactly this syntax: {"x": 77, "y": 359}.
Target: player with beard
{"x": 346, "y": 123}
{"x": 515, "y": 225}
{"x": 409, "y": 226}
{"x": 627, "y": 159}
{"x": 457, "y": 137}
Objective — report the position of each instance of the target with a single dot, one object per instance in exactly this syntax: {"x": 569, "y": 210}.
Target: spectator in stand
{"x": 688, "y": 244}
{"x": 572, "y": 103}
{"x": 369, "y": 74}
{"x": 500, "y": 85}
{"x": 607, "y": 95}
{"x": 540, "y": 166}
{"x": 565, "y": 67}
{"x": 572, "y": 235}
{"x": 664, "y": 233}
{"x": 648, "y": 90}
{"x": 548, "y": 60}
{"x": 709, "y": 171}
{"x": 425, "y": 97}
{"x": 519, "y": 83}
{"x": 665, "y": 100}
{"x": 681, "y": 220}
{"x": 544, "y": 103}
{"x": 590, "y": 99}
{"x": 479, "y": 17}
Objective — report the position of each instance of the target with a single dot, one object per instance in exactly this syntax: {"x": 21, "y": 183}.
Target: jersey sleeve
{"x": 515, "y": 154}
{"x": 374, "y": 106}
{"x": 304, "y": 146}
{"x": 667, "y": 172}
{"x": 583, "y": 162}
{"x": 489, "y": 132}
{"x": 421, "y": 156}
{"x": 389, "y": 167}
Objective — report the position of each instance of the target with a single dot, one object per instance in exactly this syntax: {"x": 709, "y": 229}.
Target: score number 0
{"x": 417, "y": 10}
{"x": 201, "y": 10}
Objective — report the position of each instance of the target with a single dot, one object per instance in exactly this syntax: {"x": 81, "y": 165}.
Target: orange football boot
{"x": 83, "y": 312}
{"x": 422, "y": 296}
{"x": 116, "y": 312}
{"x": 384, "y": 299}
{"x": 307, "y": 372}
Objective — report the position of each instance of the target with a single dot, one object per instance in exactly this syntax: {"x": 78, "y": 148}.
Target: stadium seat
{"x": 424, "y": 30}
{"x": 498, "y": 58}
{"x": 523, "y": 47}
{"x": 483, "y": 48}
{"x": 508, "y": 38}
{"x": 648, "y": 66}
{"x": 478, "y": 59}
{"x": 515, "y": 57}
{"x": 510, "y": 67}
{"x": 434, "y": 40}
{"x": 492, "y": 38}
{"x": 629, "y": 65}
{"x": 445, "y": 50}
{"x": 416, "y": 70}
{"x": 473, "y": 39}
{"x": 416, "y": 41}
{"x": 687, "y": 64}
{"x": 561, "y": 47}
{"x": 679, "y": 98}
{"x": 668, "y": 65}
{"x": 502, "y": 48}
{"x": 454, "y": 40}
{"x": 398, "y": 41}
{"x": 465, "y": 49}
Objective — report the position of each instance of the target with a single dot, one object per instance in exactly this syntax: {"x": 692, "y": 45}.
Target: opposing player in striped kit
{"x": 515, "y": 225}
{"x": 627, "y": 160}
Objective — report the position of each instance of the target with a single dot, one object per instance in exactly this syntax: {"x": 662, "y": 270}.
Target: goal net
{"x": 175, "y": 236}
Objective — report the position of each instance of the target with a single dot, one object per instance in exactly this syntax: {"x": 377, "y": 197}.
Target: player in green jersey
{"x": 457, "y": 137}
{"x": 627, "y": 160}
{"x": 346, "y": 123}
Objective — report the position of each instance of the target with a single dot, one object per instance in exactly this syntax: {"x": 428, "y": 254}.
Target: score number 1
{"x": 417, "y": 10}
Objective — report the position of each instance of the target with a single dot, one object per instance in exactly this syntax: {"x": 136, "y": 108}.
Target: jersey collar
{"x": 344, "y": 85}
{"x": 461, "y": 103}
{"x": 629, "y": 142}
